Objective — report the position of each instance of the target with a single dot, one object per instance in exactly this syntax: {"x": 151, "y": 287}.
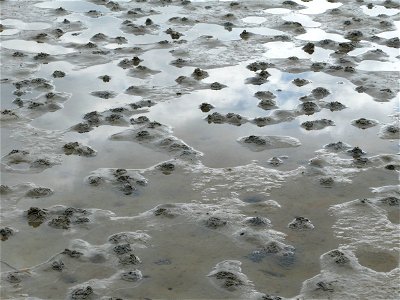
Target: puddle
{"x": 287, "y": 49}
{"x": 32, "y": 46}
{"x": 394, "y": 216}
{"x": 317, "y": 6}
{"x": 277, "y": 11}
{"x": 389, "y": 53}
{"x": 14, "y": 26}
{"x": 18, "y": 24}
{"x": 74, "y": 6}
{"x": 222, "y": 34}
{"x": 378, "y": 261}
{"x": 107, "y": 25}
{"x": 81, "y": 101}
{"x": 389, "y": 34}
{"x": 254, "y": 20}
{"x": 377, "y": 10}
{"x": 317, "y": 34}
{"x": 9, "y": 31}
{"x": 373, "y": 65}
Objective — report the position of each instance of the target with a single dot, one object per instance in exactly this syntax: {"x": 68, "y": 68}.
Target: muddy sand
{"x": 200, "y": 149}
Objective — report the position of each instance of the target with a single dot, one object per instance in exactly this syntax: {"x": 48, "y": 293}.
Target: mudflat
{"x": 155, "y": 149}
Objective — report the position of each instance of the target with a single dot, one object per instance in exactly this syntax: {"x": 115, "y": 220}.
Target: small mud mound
{"x": 275, "y": 161}
{"x": 227, "y": 275}
{"x": 157, "y": 136}
{"x": 6, "y": 233}
{"x": 300, "y": 82}
{"x": 264, "y": 95}
{"x": 261, "y": 143}
{"x": 118, "y": 116}
{"x": 78, "y": 149}
{"x": 317, "y": 124}
{"x": 333, "y": 106}
{"x": 281, "y": 254}
{"x": 259, "y": 79}
{"x": 127, "y": 181}
{"x": 206, "y": 107}
{"x": 301, "y": 223}
{"x": 363, "y": 123}
{"x": 39, "y": 192}
{"x": 267, "y": 104}
{"x": 58, "y": 74}
{"x": 230, "y": 118}
{"x": 60, "y": 217}
{"x": 320, "y": 92}
{"x": 199, "y": 74}
{"x": 390, "y": 131}
{"x": 339, "y": 146}
{"x": 141, "y": 72}
{"x": 24, "y": 162}
{"x": 104, "y": 94}
{"x": 308, "y": 108}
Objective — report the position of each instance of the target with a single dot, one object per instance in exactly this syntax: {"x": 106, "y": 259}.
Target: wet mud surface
{"x": 200, "y": 149}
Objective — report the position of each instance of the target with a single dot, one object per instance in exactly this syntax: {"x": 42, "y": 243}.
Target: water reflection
{"x": 73, "y": 5}
{"x": 317, "y": 34}
{"x": 219, "y": 144}
{"x": 81, "y": 101}
{"x": 34, "y": 47}
{"x": 254, "y": 20}
{"x": 317, "y": 6}
{"x": 377, "y": 10}
{"x": 287, "y": 49}
{"x": 277, "y": 11}
{"x": 224, "y": 35}
{"x": 391, "y": 34}
{"x": 18, "y": 24}
{"x": 391, "y": 53}
{"x": 14, "y": 26}
{"x": 373, "y": 65}
{"x": 106, "y": 24}
{"x": 7, "y": 32}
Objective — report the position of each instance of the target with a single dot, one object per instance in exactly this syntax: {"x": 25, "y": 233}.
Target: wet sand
{"x": 199, "y": 149}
